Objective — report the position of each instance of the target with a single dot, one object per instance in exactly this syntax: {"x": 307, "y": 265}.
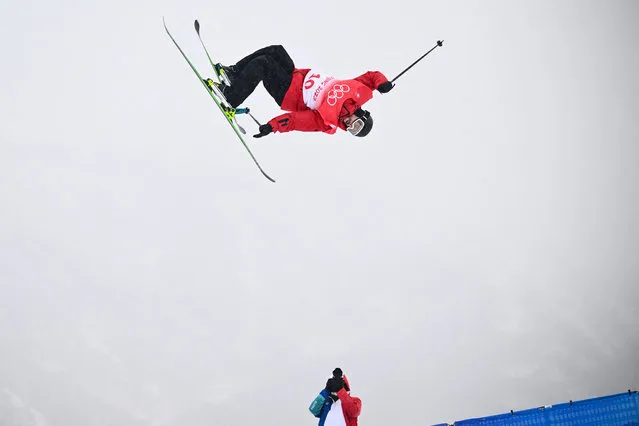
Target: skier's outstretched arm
{"x": 302, "y": 121}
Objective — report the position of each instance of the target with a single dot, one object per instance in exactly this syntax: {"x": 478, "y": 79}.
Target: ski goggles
{"x": 356, "y": 126}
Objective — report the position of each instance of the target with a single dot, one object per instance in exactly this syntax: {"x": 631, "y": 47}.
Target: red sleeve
{"x": 303, "y": 121}
{"x": 372, "y": 79}
{"x": 351, "y": 405}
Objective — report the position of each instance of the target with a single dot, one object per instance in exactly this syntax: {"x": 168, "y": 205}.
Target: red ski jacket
{"x": 351, "y": 407}
{"x": 337, "y": 102}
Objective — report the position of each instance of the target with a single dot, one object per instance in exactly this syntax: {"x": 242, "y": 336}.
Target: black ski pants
{"x": 271, "y": 65}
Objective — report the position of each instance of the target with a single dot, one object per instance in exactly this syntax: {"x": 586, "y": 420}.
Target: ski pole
{"x": 439, "y": 43}
{"x": 254, "y": 119}
{"x": 245, "y": 111}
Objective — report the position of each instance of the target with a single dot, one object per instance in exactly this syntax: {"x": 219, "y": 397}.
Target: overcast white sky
{"x": 476, "y": 253}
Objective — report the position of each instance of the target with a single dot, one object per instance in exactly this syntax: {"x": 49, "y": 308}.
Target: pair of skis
{"x": 229, "y": 115}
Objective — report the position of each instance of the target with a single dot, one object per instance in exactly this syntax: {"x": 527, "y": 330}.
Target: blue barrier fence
{"x": 613, "y": 410}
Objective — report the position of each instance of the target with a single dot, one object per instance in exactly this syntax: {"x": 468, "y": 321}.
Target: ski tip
{"x": 197, "y": 26}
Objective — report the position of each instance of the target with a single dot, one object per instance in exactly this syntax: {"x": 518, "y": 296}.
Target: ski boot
{"x": 218, "y": 91}
{"x": 224, "y": 73}
{"x": 209, "y": 83}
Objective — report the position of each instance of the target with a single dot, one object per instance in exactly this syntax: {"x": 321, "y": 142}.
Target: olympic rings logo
{"x": 337, "y": 92}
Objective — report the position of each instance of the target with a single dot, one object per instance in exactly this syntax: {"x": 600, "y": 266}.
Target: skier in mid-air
{"x": 335, "y": 406}
{"x": 314, "y": 101}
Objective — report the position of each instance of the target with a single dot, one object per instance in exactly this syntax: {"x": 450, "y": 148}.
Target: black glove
{"x": 265, "y": 129}
{"x": 385, "y": 87}
{"x": 334, "y": 384}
